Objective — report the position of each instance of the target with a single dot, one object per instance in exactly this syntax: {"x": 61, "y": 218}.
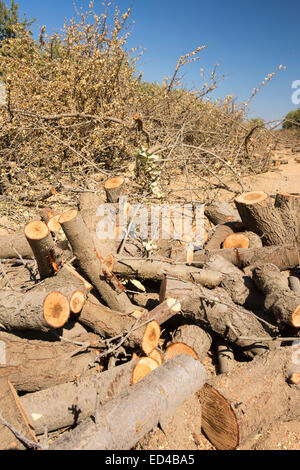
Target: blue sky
{"x": 249, "y": 39}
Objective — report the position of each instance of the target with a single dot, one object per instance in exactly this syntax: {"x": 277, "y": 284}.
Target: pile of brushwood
{"x": 102, "y": 340}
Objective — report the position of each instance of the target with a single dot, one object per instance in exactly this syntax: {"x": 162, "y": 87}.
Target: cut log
{"x": 242, "y": 240}
{"x": 194, "y": 337}
{"x": 70, "y": 403}
{"x": 280, "y": 300}
{"x": 283, "y": 256}
{"x": 259, "y": 215}
{"x": 157, "y": 356}
{"x": 15, "y": 240}
{"x": 83, "y": 248}
{"x": 33, "y": 365}
{"x": 214, "y": 311}
{"x": 157, "y": 270}
{"x": 151, "y": 337}
{"x": 42, "y": 245}
{"x": 248, "y": 400}
{"x": 143, "y": 367}
{"x": 175, "y": 349}
{"x": 220, "y": 234}
{"x": 45, "y": 306}
{"x": 221, "y": 212}
{"x": 289, "y": 207}
{"x": 13, "y": 412}
{"x": 163, "y": 390}
{"x": 240, "y": 287}
{"x": 114, "y": 187}
{"x": 110, "y": 323}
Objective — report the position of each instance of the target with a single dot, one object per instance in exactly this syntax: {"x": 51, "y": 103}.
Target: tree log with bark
{"x": 247, "y": 400}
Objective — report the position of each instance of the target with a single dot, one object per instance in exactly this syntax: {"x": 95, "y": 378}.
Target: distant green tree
{"x": 9, "y": 18}
{"x": 292, "y": 116}
{"x": 257, "y": 122}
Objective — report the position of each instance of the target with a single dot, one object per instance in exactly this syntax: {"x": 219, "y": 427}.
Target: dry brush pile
{"x": 76, "y": 105}
{"x": 106, "y": 339}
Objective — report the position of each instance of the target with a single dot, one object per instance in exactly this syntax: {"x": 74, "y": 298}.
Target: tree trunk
{"x": 149, "y": 402}
{"x": 114, "y": 187}
{"x": 13, "y": 412}
{"x": 43, "y": 247}
{"x": 15, "y": 240}
{"x": 282, "y": 302}
{"x": 242, "y": 240}
{"x": 214, "y": 311}
{"x": 221, "y": 212}
{"x": 83, "y": 247}
{"x": 261, "y": 216}
{"x": 220, "y": 234}
{"x": 110, "y": 323}
{"x": 33, "y": 365}
{"x": 192, "y": 335}
{"x": 68, "y": 404}
{"x": 248, "y": 400}
{"x": 284, "y": 256}
{"x": 157, "y": 270}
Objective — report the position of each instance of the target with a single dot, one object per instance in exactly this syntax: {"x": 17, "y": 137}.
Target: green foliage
{"x": 9, "y": 19}
{"x": 291, "y": 119}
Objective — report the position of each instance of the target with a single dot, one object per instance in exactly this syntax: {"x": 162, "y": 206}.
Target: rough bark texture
{"x": 192, "y": 335}
{"x": 33, "y": 365}
{"x": 283, "y": 256}
{"x": 220, "y": 234}
{"x": 157, "y": 270}
{"x": 264, "y": 219}
{"x": 110, "y": 323}
{"x": 19, "y": 242}
{"x": 280, "y": 300}
{"x": 68, "y": 404}
{"x": 19, "y": 311}
{"x": 240, "y": 287}
{"x": 114, "y": 187}
{"x": 248, "y": 400}
{"x": 126, "y": 419}
{"x": 215, "y": 311}
{"x": 289, "y": 206}
{"x": 83, "y": 247}
{"x": 13, "y": 412}
{"x": 43, "y": 248}
{"x": 221, "y": 212}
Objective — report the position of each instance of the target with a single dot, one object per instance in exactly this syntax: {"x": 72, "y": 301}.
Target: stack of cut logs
{"x": 108, "y": 341}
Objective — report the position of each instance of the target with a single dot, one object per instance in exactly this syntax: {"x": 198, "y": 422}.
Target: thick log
{"x": 259, "y": 215}
{"x": 68, "y": 404}
{"x": 221, "y": 212}
{"x": 110, "y": 323}
{"x": 163, "y": 391}
{"x": 181, "y": 431}
{"x": 15, "y": 240}
{"x": 195, "y": 337}
{"x": 246, "y": 401}
{"x": 242, "y": 240}
{"x": 240, "y": 287}
{"x": 280, "y": 300}
{"x": 33, "y": 310}
{"x": 157, "y": 270}
{"x": 41, "y": 242}
{"x": 13, "y": 412}
{"x": 114, "y": 187}
{"x": 294, "y": 284}
{"x": 214, "y": 311}
{"x": 218, "y": 237}
{"x": 33, "y": 365}
{"x": 283, "y": 256}
{"x": 83, "y": 247}
{"x": 289, "y": 207}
